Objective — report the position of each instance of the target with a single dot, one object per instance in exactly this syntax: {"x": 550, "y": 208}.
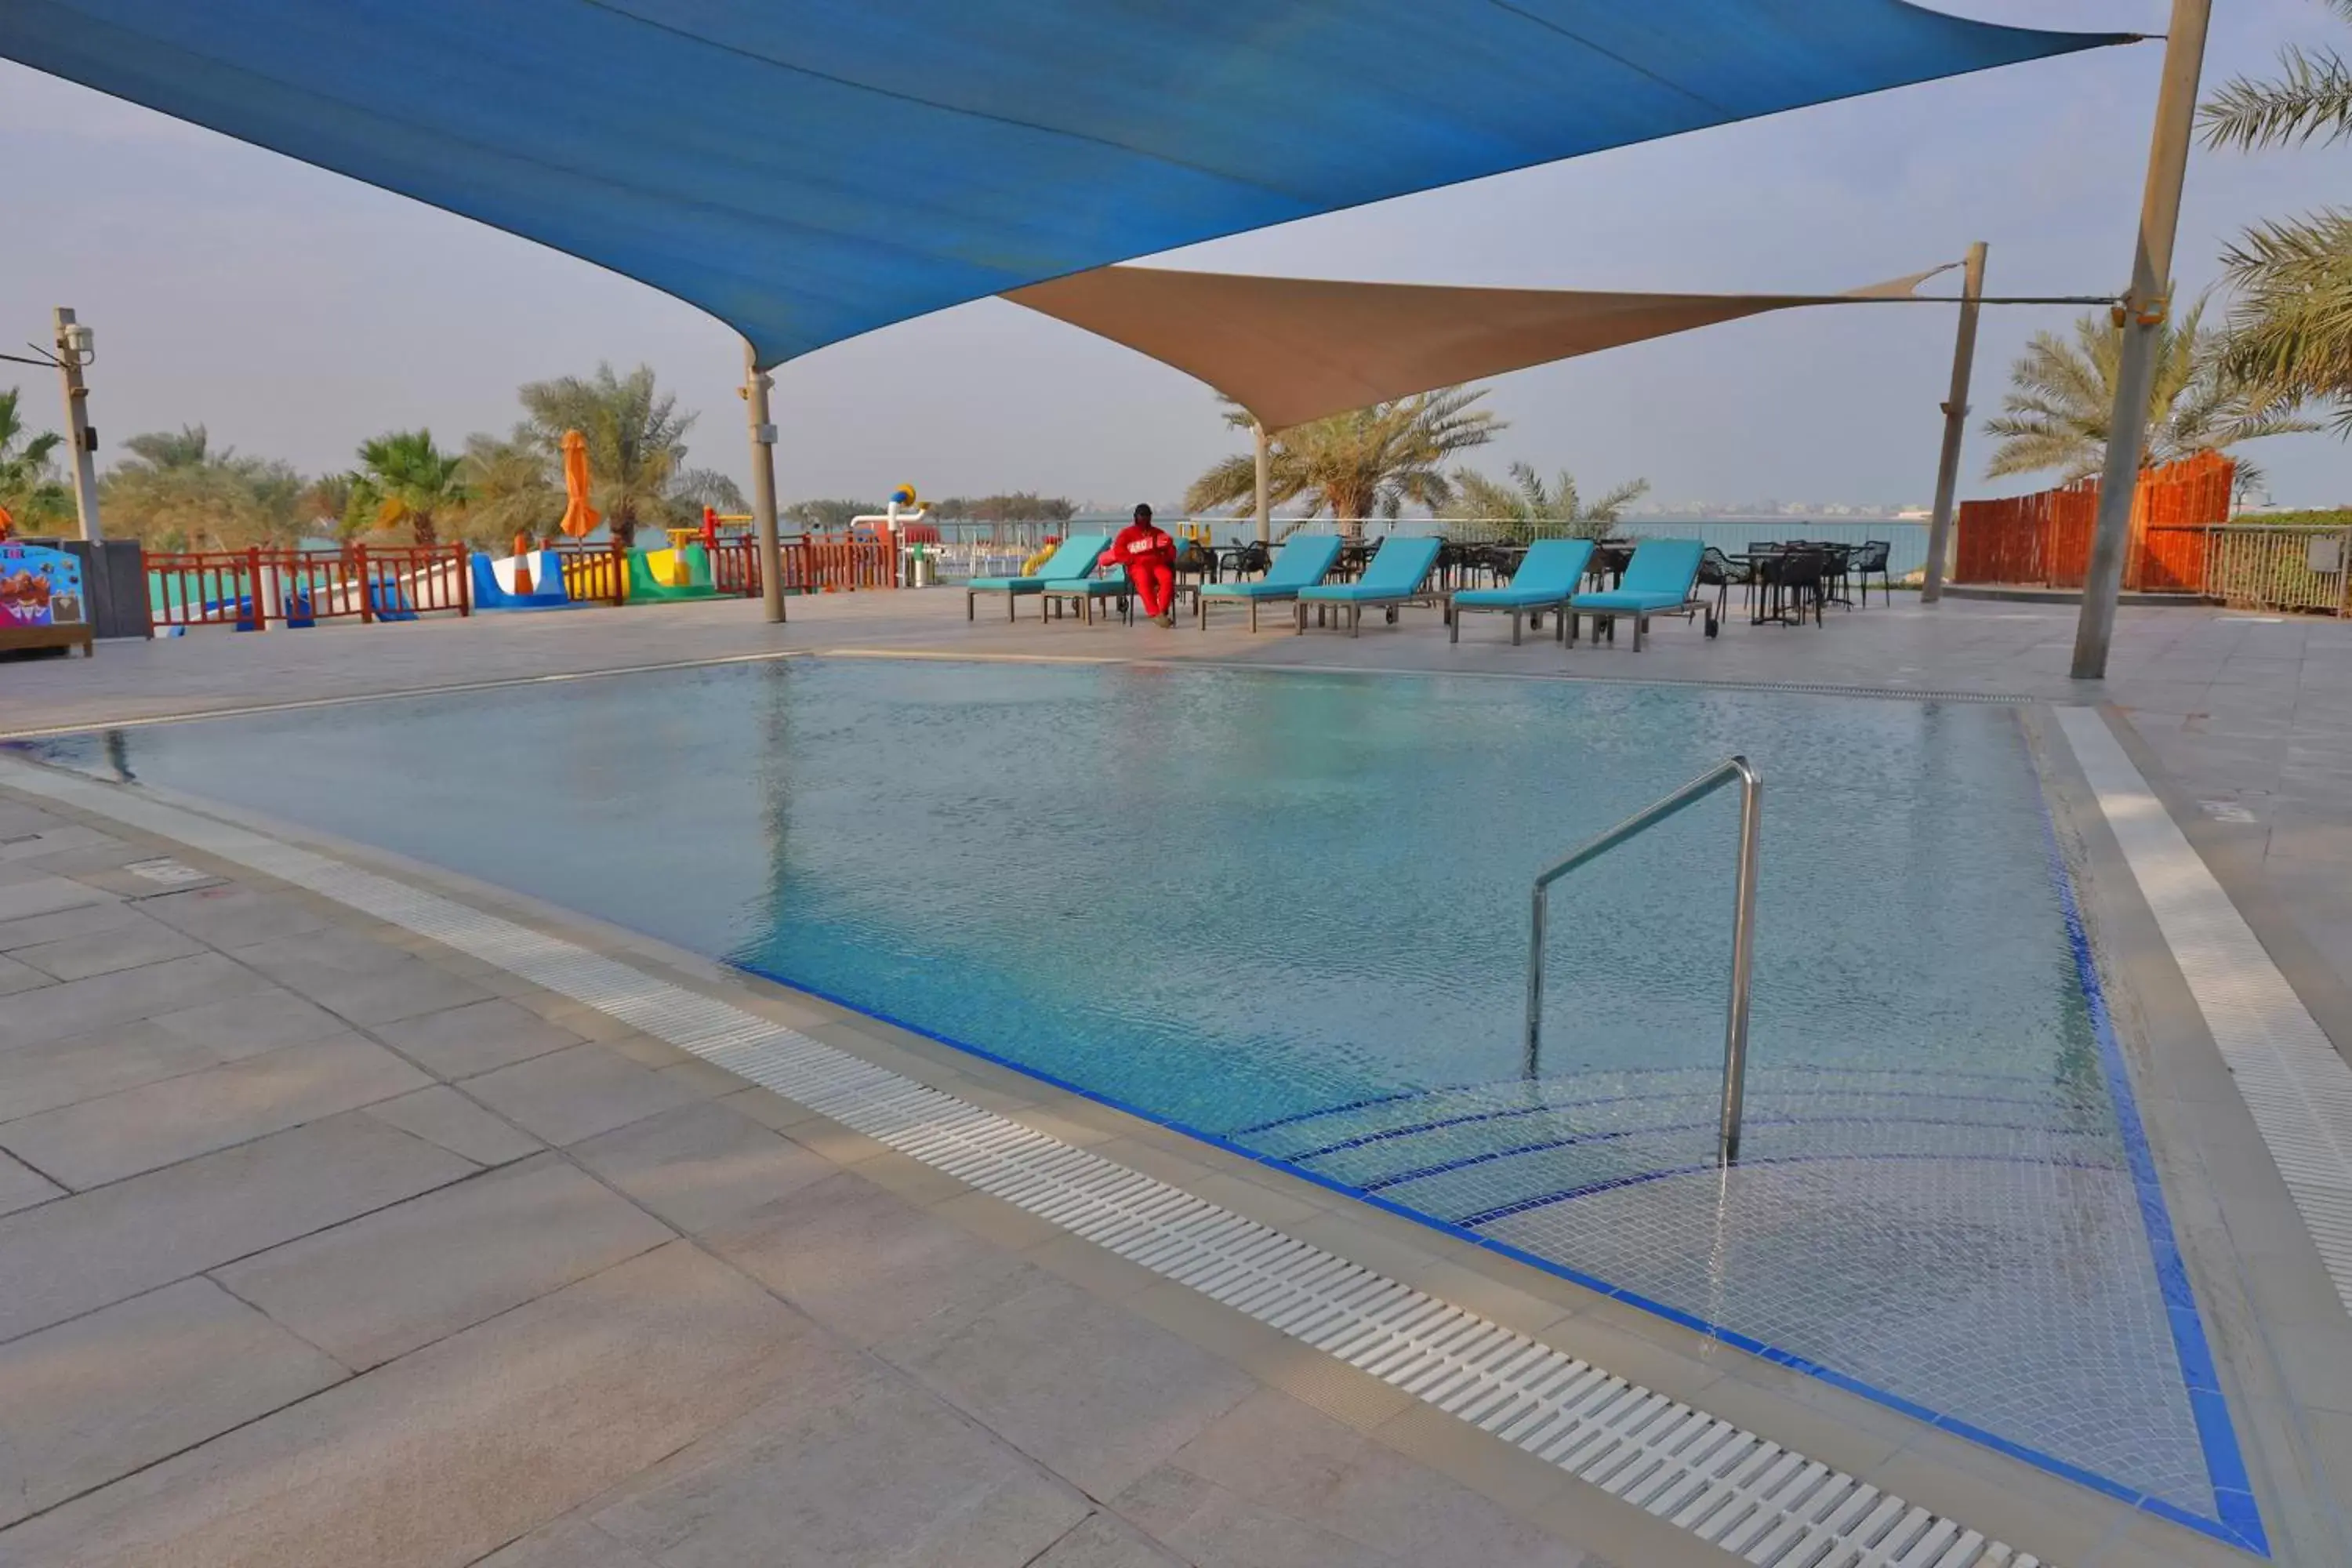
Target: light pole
{"x": 1956, "y": 425}
{"x": 2144, "y": 312}
{"x": 77, "y": 346}
{"x": 756, "y": 383}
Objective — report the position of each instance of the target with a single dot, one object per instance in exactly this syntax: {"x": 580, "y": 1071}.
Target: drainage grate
{"x": 1730, "y": 1487}
{"x": 2298, "y": 1089}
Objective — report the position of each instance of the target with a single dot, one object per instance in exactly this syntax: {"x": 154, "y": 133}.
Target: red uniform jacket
{"x": 1140, "y": 541}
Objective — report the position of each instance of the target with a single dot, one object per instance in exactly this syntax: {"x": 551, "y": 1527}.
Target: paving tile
{"x": 102, "y": 952}
{"x": 16, "y": 976}
{"x": 576, "y": 1093}
{"x": 702, "y": 1166}
{"x": 1212, "y": 1527}
{"x": 1276, "y": 1452}
{"x": 1082, "y": 1384}
{"x": 853, "y": 1466}
{"x": 403, "y": 987}
{"x": 446, "y": 1117}
{"x": 83, "y": 919}
{"x": 83, "y": 1066}
{"x": 21, "y": 1187}
{"x": 868, "y": 1264}
{"x": 567, "y": 1544}
{"x": 244, "y": 1025}
{"x": 385, "y": 1283}
{"x": 94, "y": 1399}
{"x": 1104, "y": 1540}
{"x": 158, "y": 1125}
{"x": 232, "y": 917}
{"x": 51, "y": 841}
{"x": 38, "y": 894}
{"x": 82, "y": 1252}
{"x": 459, "y": 1042}
{"x": 104, "y": 1000}
{"x": 443, "y": 1455}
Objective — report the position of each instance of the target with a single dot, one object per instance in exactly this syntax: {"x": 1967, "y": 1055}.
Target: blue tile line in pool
{"x": 2233, "y": 1498}
{"x": 2239, "y": 1525}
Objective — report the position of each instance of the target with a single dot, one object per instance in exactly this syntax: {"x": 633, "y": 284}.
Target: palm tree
{"x": 1527, "y": 509}
{"x": 637, "y": 448}
{"x": 2290, "y": 328}
{"x": 29, "y": 488}
{"x": 404, "y": 478}
{"x": 510, "y": 487}
{"x": 2062, "y": 400}
{"x": 177, "y": 491}
{"x": 1370, "y": 463}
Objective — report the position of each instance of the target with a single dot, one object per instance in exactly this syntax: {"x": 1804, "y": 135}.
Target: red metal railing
{"x": 811, "y": 565}
{"x": 250, "y": 588}
{"x": 2044, "y": 538}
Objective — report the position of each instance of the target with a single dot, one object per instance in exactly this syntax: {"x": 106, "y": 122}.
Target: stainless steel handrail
{"x": 1743, "y": 927}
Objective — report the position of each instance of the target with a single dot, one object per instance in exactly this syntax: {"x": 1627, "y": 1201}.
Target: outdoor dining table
{"x": 1766, "y": 597}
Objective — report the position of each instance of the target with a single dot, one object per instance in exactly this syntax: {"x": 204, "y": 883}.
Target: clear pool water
{"x": 1288, "y": 909}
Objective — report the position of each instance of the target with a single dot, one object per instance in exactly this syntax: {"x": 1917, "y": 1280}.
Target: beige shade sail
{"x": 1294, "y": 349}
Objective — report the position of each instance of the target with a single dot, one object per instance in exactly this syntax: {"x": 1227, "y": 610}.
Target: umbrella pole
{"x": 756, "y": 383}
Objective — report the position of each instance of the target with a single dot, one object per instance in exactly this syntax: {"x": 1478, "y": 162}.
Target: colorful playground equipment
{"x": 532, "y": 581}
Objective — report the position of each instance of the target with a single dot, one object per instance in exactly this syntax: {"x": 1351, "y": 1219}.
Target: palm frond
{"x": 2312, "y": 99}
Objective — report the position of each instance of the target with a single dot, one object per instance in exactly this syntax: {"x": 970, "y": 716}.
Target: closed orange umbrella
{"x": 579, "y": 517}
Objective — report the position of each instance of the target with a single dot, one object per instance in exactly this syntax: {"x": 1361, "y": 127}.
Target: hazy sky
{"x": 295, "y": 312}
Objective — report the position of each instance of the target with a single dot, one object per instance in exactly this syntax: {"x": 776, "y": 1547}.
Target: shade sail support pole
{"x": 1264, "y": 462}
{"x": 756, "y": 383}
{"x": 1956, "y": 427}
{"x": 2144, "y": 312}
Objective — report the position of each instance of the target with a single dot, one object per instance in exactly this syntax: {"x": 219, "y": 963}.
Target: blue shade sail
{"x": 808, "y": 170}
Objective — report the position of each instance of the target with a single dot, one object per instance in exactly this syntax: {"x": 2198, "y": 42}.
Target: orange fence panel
{"x": 2044, "y": 538}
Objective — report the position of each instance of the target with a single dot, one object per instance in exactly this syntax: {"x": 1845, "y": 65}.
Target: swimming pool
{"x": 1287, "y": 910}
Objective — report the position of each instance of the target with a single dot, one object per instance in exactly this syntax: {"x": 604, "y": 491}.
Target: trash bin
{"x": 922, "y": 572}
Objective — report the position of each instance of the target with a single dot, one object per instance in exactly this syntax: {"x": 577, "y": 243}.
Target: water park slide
{"x": 666, "y": 575}
{"x": 494, "y": 582}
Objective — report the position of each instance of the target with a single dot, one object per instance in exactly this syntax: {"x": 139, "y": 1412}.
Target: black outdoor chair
{"x": 1872, "y": 557}
{"x": 1719, "y": 572}
{"x": 1803, "y": 579}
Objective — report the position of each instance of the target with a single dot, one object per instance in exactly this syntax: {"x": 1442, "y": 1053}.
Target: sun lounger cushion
{"x": 1549, "y": 574}
{"x": 1298, "y": 564}
{"x": 1397, "y": 572}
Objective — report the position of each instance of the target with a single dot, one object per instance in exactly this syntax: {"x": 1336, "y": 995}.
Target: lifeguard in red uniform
{"x": 1149, "y": 556}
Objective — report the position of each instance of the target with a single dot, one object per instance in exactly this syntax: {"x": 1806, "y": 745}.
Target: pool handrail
{"x": 1743, "y": 927}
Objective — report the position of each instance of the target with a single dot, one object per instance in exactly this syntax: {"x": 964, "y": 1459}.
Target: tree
{"x": 1370, "y": 463}
{"x": 510, "y": 489}
{"x": 177, "y": 492}
{"x": 1527, "y": 509}
{"x": 325, "y": 501}
{"x": 637, "y": 448}
{"x": 29, "y": 487}
{"x": 2062, "y": 400}
{"x": 404, "y": 478}
{"x": 2291, "y": 328}
{"x": 1020, "y": 506}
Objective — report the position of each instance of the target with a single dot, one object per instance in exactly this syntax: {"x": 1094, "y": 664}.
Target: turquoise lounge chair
{"x": 1297, "y": 565}
{"x": 1072, "y": 560}
{"x": 1398, "y": 575}
{"x": 1084, "y": 591}
{"x": 1658, "y": 580}
{"x": 1546, "y": 579}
